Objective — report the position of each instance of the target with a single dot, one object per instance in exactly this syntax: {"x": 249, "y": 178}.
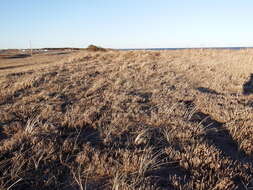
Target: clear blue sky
{"x": 126, "y": 23}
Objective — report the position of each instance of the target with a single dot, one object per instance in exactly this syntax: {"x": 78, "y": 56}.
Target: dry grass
{"x": 127, "y": 120}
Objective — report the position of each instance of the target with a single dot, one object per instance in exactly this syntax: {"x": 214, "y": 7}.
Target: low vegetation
{"x": 95, "y": 48}
{"x": 127, "y": 120}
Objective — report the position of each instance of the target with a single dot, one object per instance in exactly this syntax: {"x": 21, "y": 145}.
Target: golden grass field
{"x": 127, "y": 120}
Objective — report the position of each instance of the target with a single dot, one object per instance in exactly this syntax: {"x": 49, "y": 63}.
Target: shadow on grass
{"x": 18, "y": 56}
{"x": 15, "y": 66}
{"x": 207, "y": 91}
{"x": 248, "y": 86}
{"x": 86, "y": 134}
{"x": 145, "y": 96}
{"x": 2, "y": 135}
{"x": 216, "y": 134}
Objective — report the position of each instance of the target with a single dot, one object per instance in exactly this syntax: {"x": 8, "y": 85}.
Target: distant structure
{"x": 30, "y": 47}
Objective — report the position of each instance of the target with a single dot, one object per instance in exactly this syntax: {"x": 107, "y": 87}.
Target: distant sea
{"x": 232, "y": 48}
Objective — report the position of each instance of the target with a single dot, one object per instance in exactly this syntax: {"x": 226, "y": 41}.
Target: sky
{"x": 126, "y": 23}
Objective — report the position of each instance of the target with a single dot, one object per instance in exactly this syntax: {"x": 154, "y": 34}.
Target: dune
{"x": 167, "y": 119}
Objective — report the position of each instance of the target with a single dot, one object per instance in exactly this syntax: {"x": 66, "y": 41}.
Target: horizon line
{"x": 149, "y": 48}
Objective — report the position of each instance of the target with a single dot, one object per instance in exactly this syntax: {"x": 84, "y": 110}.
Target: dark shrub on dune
{"x": 95, "y": 48}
